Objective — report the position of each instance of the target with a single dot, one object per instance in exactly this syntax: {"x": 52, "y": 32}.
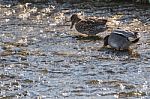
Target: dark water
{"x": 41, "y": 58}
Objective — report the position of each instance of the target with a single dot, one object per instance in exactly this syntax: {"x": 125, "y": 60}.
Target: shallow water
{"x": 42, "y": 58}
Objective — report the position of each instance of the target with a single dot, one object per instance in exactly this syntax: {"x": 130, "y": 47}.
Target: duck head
{"x": 106, "y": 40}
{"x": 74, "y": 19}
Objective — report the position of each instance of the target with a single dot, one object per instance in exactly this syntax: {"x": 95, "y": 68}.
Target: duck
{"x": 89, "y": 26}
{"x": 121, "y": 39}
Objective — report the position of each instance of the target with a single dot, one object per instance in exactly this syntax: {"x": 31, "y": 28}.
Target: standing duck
{"x": 120, "y": 39}
{"x": 89, "y": 26}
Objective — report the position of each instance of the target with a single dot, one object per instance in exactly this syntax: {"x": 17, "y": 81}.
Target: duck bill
{"x": 72, "y": 24}
{"x": 105, "y": 43}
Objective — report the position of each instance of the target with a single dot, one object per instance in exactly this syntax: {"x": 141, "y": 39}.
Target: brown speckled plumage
{"x": 89, "y": 26}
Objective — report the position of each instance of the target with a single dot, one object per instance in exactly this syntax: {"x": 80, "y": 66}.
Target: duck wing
{"x": 90, "y": 27}
{"x": 125, "y": 33}
{"x": 98, "y": 21}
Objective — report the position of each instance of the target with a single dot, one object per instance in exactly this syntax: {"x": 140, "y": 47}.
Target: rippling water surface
{"x": 40, "y": 57}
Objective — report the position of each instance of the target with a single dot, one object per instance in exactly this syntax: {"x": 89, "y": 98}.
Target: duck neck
{"x": 106, "y": 40}
{"x": 76, "y": 20}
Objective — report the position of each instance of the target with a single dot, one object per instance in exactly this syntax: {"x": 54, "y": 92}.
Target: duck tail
{"x": 136, "y": 40}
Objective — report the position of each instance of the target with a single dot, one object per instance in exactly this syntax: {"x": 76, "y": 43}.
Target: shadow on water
{"x": 42, "y": 58}
{"x": 112, "y": 51}
{"x": 89, "y": 38}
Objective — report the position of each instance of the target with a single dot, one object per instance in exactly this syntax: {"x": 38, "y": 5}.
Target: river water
{"x": 41, "y": 58}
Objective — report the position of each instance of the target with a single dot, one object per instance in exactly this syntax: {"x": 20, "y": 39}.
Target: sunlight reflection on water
{"x": 42, "y": 58}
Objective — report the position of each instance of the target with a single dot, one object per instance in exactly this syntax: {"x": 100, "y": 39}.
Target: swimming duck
{"x": 120, "y": 39}
{"x": 88, "y": 26}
